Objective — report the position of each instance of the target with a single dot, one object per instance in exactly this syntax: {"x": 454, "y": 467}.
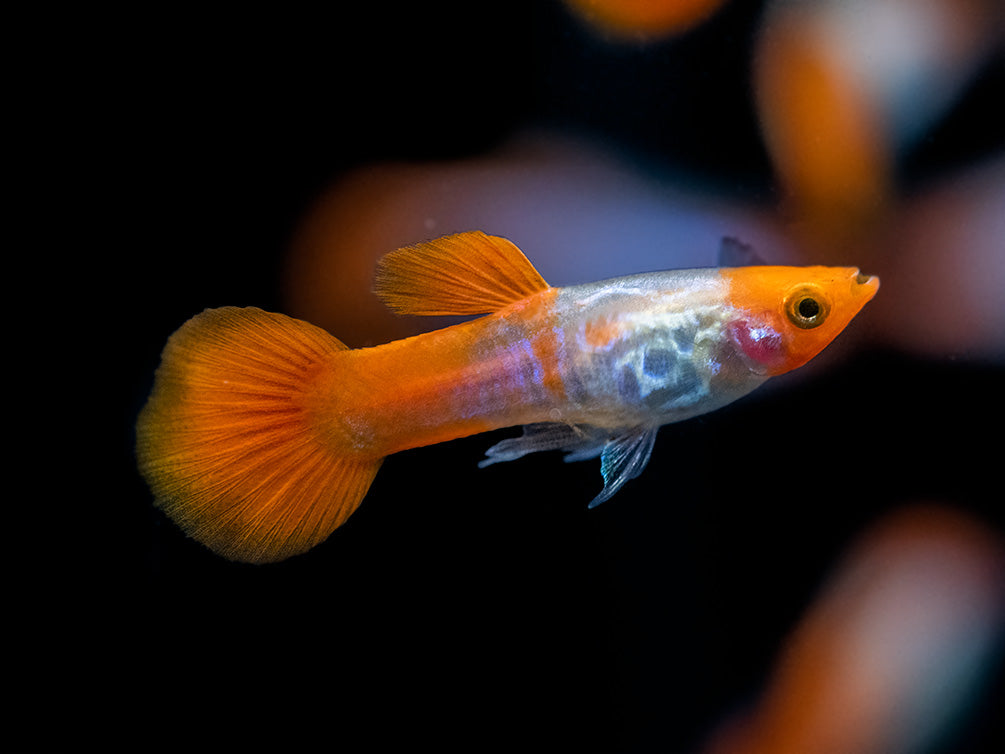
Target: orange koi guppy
{"x": 263, "y": 433}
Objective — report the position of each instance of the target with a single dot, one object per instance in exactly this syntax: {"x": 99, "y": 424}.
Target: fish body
{"x": 263, "y": 432}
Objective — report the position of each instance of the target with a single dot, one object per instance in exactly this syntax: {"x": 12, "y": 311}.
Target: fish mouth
{"x": 864, "y": 285}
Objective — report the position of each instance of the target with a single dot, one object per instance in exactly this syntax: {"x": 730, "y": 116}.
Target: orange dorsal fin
{"x": 466, "y": 273}
{"x": 232, "y": 443}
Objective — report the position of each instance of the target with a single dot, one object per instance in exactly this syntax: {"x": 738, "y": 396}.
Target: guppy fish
{"x": 263, "y": 433}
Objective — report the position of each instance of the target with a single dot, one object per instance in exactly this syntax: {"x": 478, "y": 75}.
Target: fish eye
{"x": 807, "y": 308}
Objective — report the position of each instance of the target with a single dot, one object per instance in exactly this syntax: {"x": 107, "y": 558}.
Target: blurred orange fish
{"x": 643, "y": 19}
{"x": 263, "y": 433}
{"x": 890, "y": 655}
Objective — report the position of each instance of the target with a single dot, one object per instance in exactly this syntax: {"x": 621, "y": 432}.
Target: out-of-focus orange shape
{"x": 643, "y": 18}
{"x": 829, "y": 148}
{"x": 893, "y": 648}
{"x": 844, "y": 88}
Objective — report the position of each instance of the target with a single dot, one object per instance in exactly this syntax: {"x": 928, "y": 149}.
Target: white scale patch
{"x": 667, "y": 364}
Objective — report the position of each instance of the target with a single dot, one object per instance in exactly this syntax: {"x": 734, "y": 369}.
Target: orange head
{"x": 786, "y": 315}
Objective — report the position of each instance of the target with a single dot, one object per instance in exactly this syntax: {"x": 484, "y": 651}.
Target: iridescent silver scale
{"x": 637, "y": 352}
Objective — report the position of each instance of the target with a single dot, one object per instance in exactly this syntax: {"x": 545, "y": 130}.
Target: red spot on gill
{"x": 760, "y": 343}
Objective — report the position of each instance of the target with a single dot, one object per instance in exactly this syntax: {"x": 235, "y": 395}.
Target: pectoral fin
{"x": 623, "y": 458}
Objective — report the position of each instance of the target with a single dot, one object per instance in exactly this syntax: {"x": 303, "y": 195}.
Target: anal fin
{"x": 580, "y": 441}
{"x": 622, "y": 457}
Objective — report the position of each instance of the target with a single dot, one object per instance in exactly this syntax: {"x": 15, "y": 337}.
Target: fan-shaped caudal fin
{"x": 230, "y": 444}
{"x": 466, "y": 273}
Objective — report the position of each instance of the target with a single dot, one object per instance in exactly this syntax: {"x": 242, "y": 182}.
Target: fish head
{"x": 781, "y": 317}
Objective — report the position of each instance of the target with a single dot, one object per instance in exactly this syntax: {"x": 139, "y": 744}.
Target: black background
{"x": 458, "y": 608}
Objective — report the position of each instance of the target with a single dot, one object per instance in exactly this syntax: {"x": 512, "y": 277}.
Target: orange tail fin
{"x": 230, "y": 444}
